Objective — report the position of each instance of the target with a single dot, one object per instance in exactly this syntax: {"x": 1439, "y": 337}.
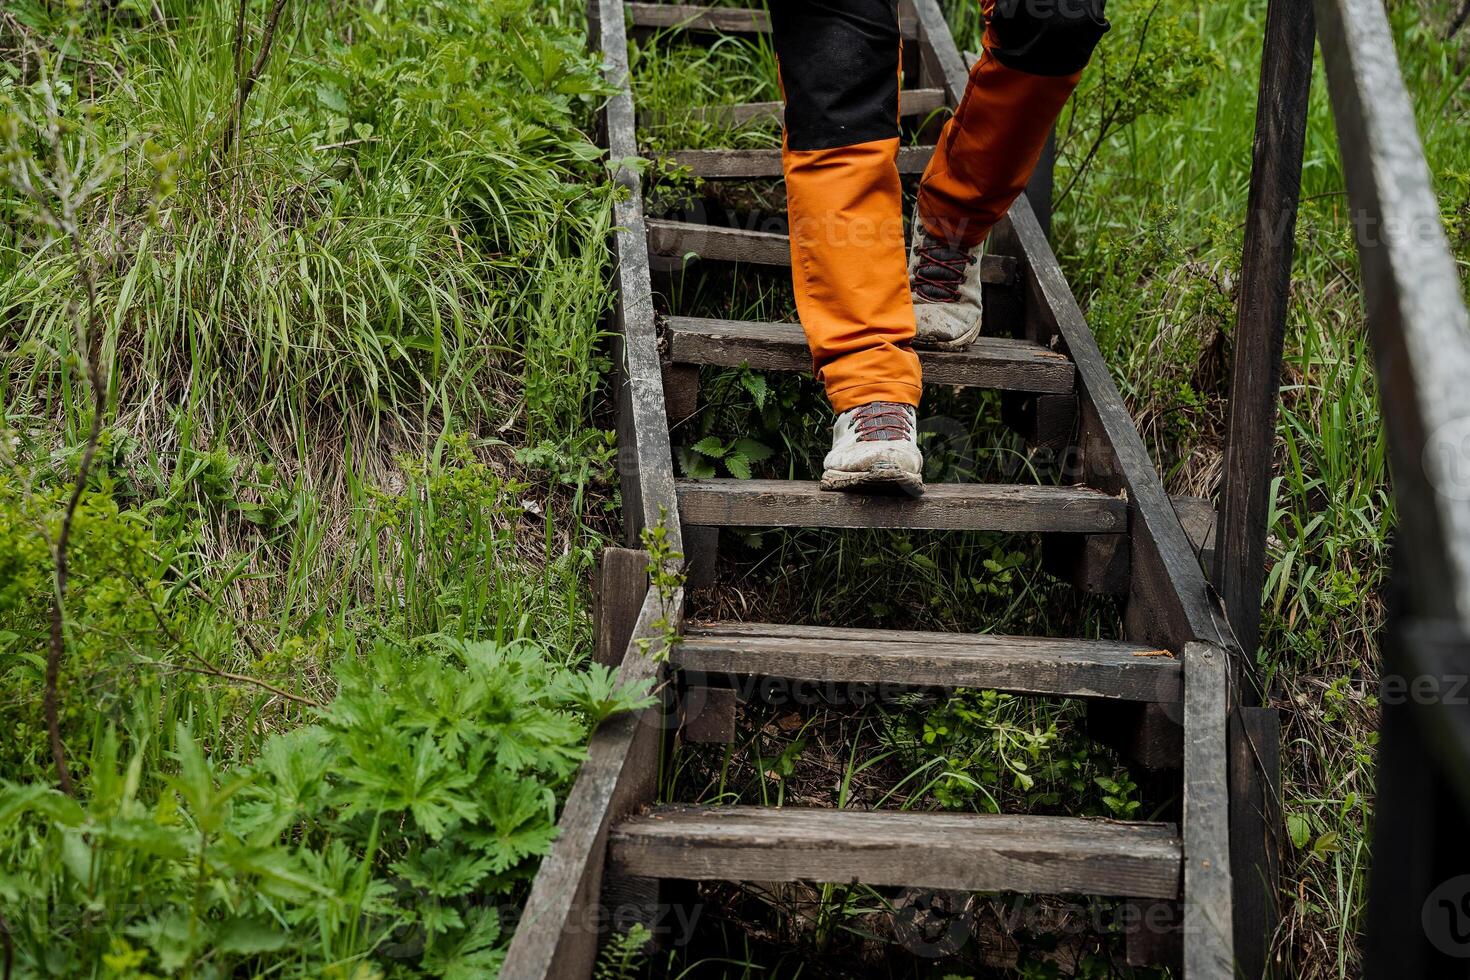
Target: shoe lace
{"x": 882, "y": 421}
{"x": 940, "y": 270}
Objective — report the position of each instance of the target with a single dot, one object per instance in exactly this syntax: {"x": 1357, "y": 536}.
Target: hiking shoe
{"x": 874, "y": 449}
{"x": 945, "y": 283}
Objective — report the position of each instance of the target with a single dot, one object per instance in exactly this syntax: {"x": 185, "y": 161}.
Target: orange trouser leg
{"x": 990, "y": 146}
{"x": 848, "y": 267}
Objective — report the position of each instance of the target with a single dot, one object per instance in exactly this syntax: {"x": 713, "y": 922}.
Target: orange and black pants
{"x": 840, "y": 63}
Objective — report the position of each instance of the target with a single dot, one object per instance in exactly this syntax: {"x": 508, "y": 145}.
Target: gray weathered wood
{"x": 645, "y": 460}
{"x": 694, "y": 17}
{"x": 990, "y": 362}
{"x": 945, "y": 507}
{"x": 677, "y": 239}
{"x": 1257, "y": 833}
{"x": 1031, "y": 665}
{"x": 709, "y": 715}
{"x": 911, "y": 102}
{"x": 973, "y": 852}
{"x": 1260, "y": 329}
{"x": 1421, "y": 338}
{"x": 723, "y": 20}
{"x": 1416, "y": 315}
{"x": 1208, "y": 930}
{"x": 622, "y": 582}
{"x": 751, "y": 164}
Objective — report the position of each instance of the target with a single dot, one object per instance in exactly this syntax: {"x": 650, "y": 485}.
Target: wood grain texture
{"x": 1209, "y": 952}
{"x": 680, "y": 239}
{"x": 622, "y": 583}
{"x": 1265, "y": 286}
{"x": 943, "y": 507}
{"x": 1031, "y": 665}
{"x": 722, "y": 20}
{"x": 1416, "y": 315}
{"x": 990, "y": 362}
{"x": 694, "y": 17}
{"x": 645, "y": 458}
{"x": 972, "y": 852}
{"x": 911, "y": 102}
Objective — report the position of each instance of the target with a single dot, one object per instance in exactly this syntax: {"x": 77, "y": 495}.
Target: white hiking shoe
{"x": 945, "y": 283}
{"x": 873, "y": 448}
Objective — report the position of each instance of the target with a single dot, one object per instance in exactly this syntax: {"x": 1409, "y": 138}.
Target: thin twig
{"x": 209, "y": 669}
{"x": 245, "y": 84}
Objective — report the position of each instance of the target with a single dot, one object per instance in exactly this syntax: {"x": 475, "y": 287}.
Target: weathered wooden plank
{"x": 722, "y": 20}
{"x": 679, "y": 239}
{"x": 1031, "y": 665}
{"x": 911, "y": 102}
{"x": 1208, "y": 929}
{"x": 645, "y": 459}
{"x": 1260, "y": 329}
{"x": 972, "y": 852}
{"x": 695, "y": 17}
{"x": 990, "y": 362}
{"x": 709, "y": 715}
{"x": 622, "y": 583}
{"x": 943, "y": 507}
{"x": 752, "y": 164}
{"x": 1416, "y": 315}
{"x": 1257, "y": 834}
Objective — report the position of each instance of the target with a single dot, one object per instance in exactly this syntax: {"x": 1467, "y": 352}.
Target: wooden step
{"x": 695, "y": 17}
{"x": 911, "y": 102}
{"x": 968, "y": 852}
{"x": 1022, "y": 664}
{"x": 943, "y": 507}
{"x": 724, "y": 20}
{"x": 679, "y": 239}
{"x": 752, "y": 164}
{"x": 990, "y": 362}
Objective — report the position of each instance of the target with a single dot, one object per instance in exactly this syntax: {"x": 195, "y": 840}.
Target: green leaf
{"x": 710, "y": 446}
{"x": 756, "y": 452}
{"x": 247, "y": 936}
{"x": 738, "y": 466}
{"x": 1299, "y": 829}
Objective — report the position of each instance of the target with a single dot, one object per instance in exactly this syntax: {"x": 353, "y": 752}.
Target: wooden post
{"x": 1265, "y": 286}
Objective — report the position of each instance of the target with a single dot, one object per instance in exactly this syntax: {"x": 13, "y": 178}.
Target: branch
{"x": 209, "y": 669}
{"x": 246, "y": 84}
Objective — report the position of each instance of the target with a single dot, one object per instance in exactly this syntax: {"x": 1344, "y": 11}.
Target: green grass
{"x": 328, "y": 611}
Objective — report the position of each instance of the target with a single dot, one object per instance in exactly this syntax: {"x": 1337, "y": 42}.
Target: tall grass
{"x": 328, "y": 610}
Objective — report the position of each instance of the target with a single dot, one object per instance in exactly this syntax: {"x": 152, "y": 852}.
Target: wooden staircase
{"x": 1173, "y": 682}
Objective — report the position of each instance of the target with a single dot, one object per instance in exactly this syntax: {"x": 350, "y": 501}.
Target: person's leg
{"x": 1034, "y": 52}
{"x": 839, "y": 75}
{"x": 839, "y": 64}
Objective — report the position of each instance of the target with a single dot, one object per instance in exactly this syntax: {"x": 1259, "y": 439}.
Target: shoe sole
{"x": 885, "y": 480}
{"x": 959, "y": 343}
